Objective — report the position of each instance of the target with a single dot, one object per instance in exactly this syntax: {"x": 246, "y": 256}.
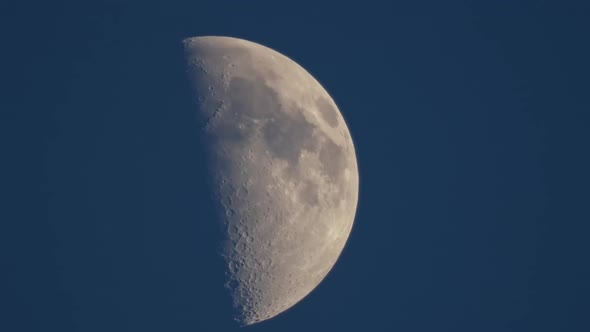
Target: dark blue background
{"x": 470, "y": 123}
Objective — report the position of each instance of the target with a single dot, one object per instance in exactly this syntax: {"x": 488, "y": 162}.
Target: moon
{"x": 282, "y": 169}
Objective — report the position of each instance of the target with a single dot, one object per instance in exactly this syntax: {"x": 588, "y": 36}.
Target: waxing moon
{"x": 282, "y": 170}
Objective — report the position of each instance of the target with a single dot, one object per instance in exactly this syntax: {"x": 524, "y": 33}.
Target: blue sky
{"x": 470, "y": 124}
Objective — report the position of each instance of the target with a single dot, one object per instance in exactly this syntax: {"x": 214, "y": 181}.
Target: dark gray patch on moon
{"x": 327, "y": 111}
{"x": 309, "y": 194}
{"x": 287, "y": 135}
{"x": 227, "y": 131}
{"x": 248, "y": 99}
{"x": 252, "y": 98}
{"x": 234, "y": 52}
{"x": 332, "y": 159}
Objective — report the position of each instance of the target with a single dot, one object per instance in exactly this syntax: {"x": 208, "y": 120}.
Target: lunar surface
{"x": 283, "y": 171}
